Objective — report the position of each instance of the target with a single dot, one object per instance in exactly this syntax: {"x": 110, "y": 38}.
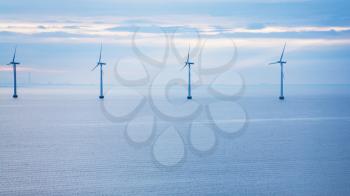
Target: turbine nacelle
{"x": 279, "y": 62}
{"x": 99, "y": 63}
{"x": 283, "y": 62}
{"x": 13, "y": 63}
{"x": 188, "y": 63}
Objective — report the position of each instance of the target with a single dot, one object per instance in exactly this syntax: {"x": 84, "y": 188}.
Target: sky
{"x": 58, "y": 41}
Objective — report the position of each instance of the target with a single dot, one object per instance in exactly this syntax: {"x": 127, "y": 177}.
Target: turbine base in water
{"x": 281, "y": 97}
{"x": 189, "y": 97}
{"x": 102, "y": 97}
{"x": 15, "y": 96}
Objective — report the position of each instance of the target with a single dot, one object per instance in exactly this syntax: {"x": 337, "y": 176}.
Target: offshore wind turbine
{"x": 14, "y": 66}
{"x": 101, "y": 64}
{"x": 188, "y": 64}
{"x": 282, "y": 63}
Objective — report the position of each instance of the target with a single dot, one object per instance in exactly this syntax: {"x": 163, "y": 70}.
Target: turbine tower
{"x": 189, "y": 64}
{"x": 14, "y": 65}
{"x": 282, "y": 63}
{"x": 99, "y": 63}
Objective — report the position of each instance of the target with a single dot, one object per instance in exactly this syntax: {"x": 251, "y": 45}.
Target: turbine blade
{"x": 99, "y": 60}
{"x": 284, "y": 48}
{"x": 274, "y": 63}
{"x": 188, "y": 57}
{"x": 14, "y": 54}
{"x": 95, "y": 67}
{"x": 188, "y": 53}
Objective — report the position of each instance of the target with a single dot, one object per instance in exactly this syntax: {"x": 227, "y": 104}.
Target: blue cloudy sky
{"x": 58, "y": 41}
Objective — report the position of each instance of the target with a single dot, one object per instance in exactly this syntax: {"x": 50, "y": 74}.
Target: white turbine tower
{"x": 282, "y": 63}
{"x": 14, "y": 65}
{"x": 189, "y": 64}
{"x": 99, "y": 63}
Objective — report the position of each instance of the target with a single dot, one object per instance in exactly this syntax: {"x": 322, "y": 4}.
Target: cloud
{"x": 119, "y": 30}
{"x": 255, "y": 26}
{"x": 93, "y": 28}
{"x": 152, "y": 29}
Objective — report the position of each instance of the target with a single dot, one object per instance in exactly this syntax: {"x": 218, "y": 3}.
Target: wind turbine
{"x": 14, "y": 65}
{"x": 189, "y": 64}
{"x": 99, "y": 63}
{"x": 281, "y": 62}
